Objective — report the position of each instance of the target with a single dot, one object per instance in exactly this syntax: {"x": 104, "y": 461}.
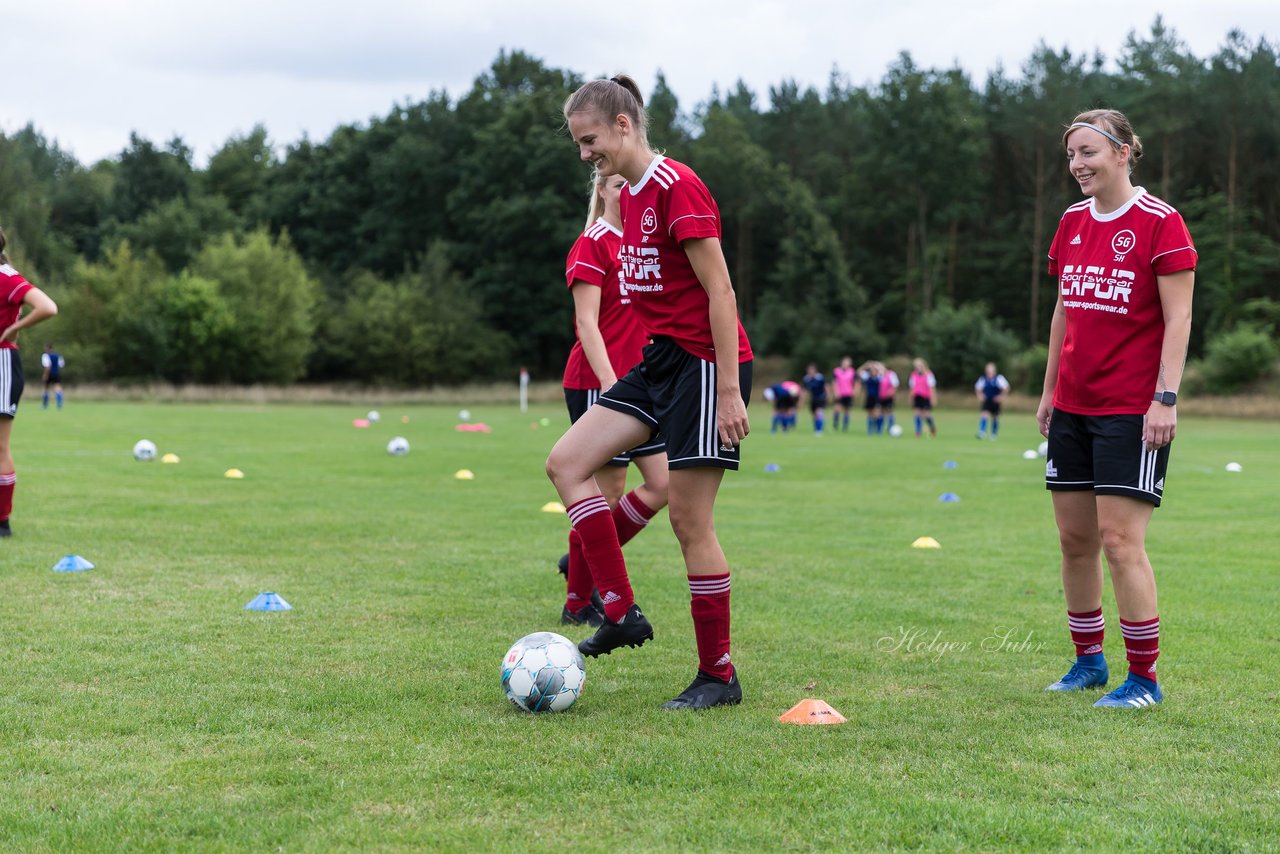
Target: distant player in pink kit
{"x": 692, "y": 384}
{"x": 844, "y": 380}
{"x": 924, "y": 395}
{"x": 609, "y": 343}
{"x": 15, "y": 292}
{"x": 1125, "y": 267}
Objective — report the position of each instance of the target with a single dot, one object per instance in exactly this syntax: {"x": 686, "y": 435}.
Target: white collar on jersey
{"x": 601, "y": 221}
{"x": 1138, "y": 192}
{"x": 648, "y": 173}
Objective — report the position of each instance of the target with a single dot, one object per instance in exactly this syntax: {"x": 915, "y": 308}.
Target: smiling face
{"x": 1098, "y": 166}
{"x": 600, "y": 142}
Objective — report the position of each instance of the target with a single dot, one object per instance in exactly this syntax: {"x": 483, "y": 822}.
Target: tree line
{"x": 426, "y": 246}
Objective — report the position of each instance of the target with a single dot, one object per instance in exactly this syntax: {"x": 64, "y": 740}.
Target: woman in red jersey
{"x": 692, "y": 384}
{"x": 1125, "y": 267}
{"x": 609, "y": 341}
{"x": 15, "y": 292}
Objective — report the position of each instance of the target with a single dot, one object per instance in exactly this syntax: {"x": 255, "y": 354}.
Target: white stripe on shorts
{"x": 6, "y": 382}
{"x": 708, "y": 438}
{"x": 1147, "y": 471}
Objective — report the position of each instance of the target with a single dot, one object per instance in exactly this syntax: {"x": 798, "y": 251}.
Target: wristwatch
{"x": 1168, "y": 398}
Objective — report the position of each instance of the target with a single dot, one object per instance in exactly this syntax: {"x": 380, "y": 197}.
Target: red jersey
{"x": 594, "y": 260}
{"x": 12, "y": 290}
{"x": 669, "y": 206}
{"x": 1106, "y": 266}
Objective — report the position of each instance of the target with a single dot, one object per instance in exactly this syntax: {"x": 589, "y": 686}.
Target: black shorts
{"x": 54, "y": 379}
{"x": 845, "y": 400}
{"x": 1105, "y": 454}
{"x": 919, "y": 401}
{"x": 870, "y": 403}
{"x": 674, "y": 392}
{"x": 579, "y": 400}
{"x": 992, "y": 406}
{"x": 11, "y": 382}
{"x": 819, "y": 403}
{"x": 886, "y": 403}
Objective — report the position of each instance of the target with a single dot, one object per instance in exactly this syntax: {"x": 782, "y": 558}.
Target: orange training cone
{"x": 812, "y": 712}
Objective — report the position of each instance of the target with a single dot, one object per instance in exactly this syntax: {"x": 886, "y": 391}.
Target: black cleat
{"x": 563, "y": 564}
{"x": 588, "y": 615}
{"x": 5, "y": 530}
{"x": 632, "y": 630}
{"x": 706, "y": 691}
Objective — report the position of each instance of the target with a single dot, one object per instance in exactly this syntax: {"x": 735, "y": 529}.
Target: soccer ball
{"x": 398, "y": 447}
{"x": 374, "y": 416}
{"x": 464, "y": 415}
{"x": 895, "y": 431}
{"x": 543, "y": 672}
{"x": 1043, "y": 450}
{"x": 144, "y": 451}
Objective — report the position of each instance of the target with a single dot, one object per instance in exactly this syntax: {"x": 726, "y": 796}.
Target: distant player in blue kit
{"x": 991, "y": 388}
{"x": 53, "y": 365}
{"x": 785, "y": 397}
{"x": 816, "y": 384}
{"x": 869, "y": 374}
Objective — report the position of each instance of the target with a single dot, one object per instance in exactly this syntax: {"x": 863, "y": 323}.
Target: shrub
{"x": 957, "y": 341}
{"x": 1240, "y": 357}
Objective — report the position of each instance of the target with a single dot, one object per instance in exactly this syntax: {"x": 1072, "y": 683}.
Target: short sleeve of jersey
{"x": 1055, "y": 251}
{"x": 691, "y": 212}
{"x": 12, "y": 286}
{"x": 586, "y": 262}
{"x": 1172, "y": 250}
{"x": 45, "y": 361}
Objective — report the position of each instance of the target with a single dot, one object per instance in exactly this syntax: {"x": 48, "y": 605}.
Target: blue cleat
{"x": 1081, "y": 676}
{"x": 1132, "y": 695}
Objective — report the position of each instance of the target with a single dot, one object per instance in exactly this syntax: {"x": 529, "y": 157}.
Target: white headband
{"x": 1109, "y": 136}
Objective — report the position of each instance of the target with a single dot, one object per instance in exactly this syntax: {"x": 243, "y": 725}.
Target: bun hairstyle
{"x": 4, "y": 258}
{"x": 1114, "y": 125}
{"x": 613, "y": 97}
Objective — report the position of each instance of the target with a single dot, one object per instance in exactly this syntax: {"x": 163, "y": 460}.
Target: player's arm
{"x": 1175, "y": 303}
{"x": 586, "y": 309}
{"x": 1057, "y": 331}
{"x": 39, "y": 307}
{"x": 707, "y": 260}
{"x": 1003, "y": 385}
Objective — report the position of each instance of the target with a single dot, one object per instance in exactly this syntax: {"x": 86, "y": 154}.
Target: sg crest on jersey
{"x": 1123, "y": 243}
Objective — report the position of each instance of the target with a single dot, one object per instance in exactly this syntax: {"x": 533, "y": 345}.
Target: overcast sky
{"x": 87, "y": 72}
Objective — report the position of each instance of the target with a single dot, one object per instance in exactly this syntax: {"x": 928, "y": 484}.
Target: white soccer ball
{"x": 1043, "y": 450}
{"x": 464, "y": 414}
{"x": 144, "y": 451}
{"x": 374, "y": 416}
{"x": 543, "y": 672}
{"x": 895, "y": 431}
{"x": 398, "y": 447}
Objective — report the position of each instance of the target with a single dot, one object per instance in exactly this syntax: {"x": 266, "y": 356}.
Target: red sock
{"x": 1086, "y": 631}
{"x": 580, "y": 581}
{"x": 709, "y": 604}
{"x": 593, "y": 521}
{"x": 7, "y": 484}
{"x": 630, "y": 517}
{"x": 1142, "y": 646}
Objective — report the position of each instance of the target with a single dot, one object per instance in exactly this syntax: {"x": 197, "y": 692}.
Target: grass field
{"x": 141, "y": 708}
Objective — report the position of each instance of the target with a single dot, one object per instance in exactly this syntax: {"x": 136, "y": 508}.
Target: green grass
{"x": 141, "y": 708}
